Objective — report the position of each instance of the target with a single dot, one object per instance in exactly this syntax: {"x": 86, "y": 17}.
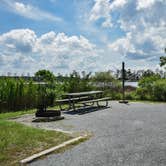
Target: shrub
{"x": 18, "y": 94}
{"x": 159, "y": 90}
{"x": 152, "y": 88}
{"x": 144, "y": 91}
{"x": 76, "y": 83}
{"x": 130, "y": 95}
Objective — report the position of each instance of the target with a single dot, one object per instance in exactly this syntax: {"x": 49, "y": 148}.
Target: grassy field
{"x": 18, "y": 141}
{"x": 4, "y": 116}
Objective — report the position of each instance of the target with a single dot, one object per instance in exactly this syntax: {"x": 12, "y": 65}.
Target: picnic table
{"x": 85, "y": 99}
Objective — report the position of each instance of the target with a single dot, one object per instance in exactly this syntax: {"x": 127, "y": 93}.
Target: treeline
{"x": 19, "y": 94}
{"x": 151, "y": 85}
{"x": 131, "y": 75}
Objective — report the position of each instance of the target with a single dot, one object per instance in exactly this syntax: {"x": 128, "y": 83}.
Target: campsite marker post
{"x": 123, "y": 84}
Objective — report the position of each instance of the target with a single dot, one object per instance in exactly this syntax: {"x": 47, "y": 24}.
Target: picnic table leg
{"x": 60, "y": 106}
{"x": 106, "y": 104}
{"x": 98, "y": 104}
{"x": 84, "y": 105}
{"x": 70, "y": 103}
{"x": 70, "y": 106}
{"x": 91, "y": 104}
{"x": 73, "y": 105}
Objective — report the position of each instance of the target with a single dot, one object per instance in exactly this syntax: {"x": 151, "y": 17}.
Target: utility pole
{"x": 123, "y": 84}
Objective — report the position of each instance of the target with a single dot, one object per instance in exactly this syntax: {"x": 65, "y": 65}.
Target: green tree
{"x": 148, "y": 73}
{"x": 76, "y": 82}
{"x": 103, "y": 77}
{"x": 163, "y": 60}
{"x": 159, "y": 90}
{"x": 45, "y": 75}
{"x": 146, "y": 85}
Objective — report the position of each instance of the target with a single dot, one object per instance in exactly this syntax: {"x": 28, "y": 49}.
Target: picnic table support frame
{"x": 99, "y": 105}
{"x": 86, "y": 99}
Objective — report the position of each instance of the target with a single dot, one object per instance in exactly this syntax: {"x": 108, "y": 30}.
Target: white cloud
{"x": 146, "y": 29}
{"x": 67, "y": 53}
{"x": 22, "y": 50}
{"x": 103, "y": 9}
{"x": 100, "y": 9}
{"x": 147, "y": 46}
{"x": 143, "y": 22}
{"x": 141, "y": 44}
{"x": 143, "y": 4}
{"x": 22, "y": 40}
{"x": 29, "y": 11}
{"x": 117, "y": 4}
{"x": 61, "y": 43}
{"x": 122, "y": 45}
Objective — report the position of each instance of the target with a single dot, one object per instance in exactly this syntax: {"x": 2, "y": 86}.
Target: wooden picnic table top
{"x": 83, "y": 93}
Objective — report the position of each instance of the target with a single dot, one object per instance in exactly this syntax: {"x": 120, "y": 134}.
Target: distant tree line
{"x": 18, "y": 93}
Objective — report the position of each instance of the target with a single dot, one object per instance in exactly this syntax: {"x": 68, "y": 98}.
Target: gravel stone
{"x": 131, "y": 134}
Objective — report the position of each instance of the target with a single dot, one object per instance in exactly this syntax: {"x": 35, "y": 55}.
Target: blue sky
{"x": 90, "y": 35}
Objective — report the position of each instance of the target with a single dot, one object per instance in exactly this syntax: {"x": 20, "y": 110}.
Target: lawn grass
{"x": 9, "y": 115}
{"x": 15, "y": 114}
{"x": 18, "y": 141}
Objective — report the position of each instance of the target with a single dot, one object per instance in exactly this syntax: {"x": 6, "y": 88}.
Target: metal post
{"x": 123, "y": 84}
{"x": 123, "y": 80}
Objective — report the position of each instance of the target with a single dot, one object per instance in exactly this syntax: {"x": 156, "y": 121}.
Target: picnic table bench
{"x": 83, "y": 98}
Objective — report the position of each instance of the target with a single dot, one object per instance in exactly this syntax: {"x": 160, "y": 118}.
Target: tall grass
{"x": 17, "y": 94}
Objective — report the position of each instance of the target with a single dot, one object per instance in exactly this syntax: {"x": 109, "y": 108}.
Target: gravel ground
{"x": 124, "y": 135}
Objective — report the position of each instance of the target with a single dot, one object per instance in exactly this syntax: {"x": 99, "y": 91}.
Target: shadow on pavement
{"x": 81, "y": 111}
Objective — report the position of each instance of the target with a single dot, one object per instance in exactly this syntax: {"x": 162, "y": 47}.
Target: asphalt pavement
{"x": 131, "y": 134}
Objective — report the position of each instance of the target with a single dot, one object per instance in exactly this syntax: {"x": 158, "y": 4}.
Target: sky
{"x": 82, "y": 35}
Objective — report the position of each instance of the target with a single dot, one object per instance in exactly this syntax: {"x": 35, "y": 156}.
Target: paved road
{"x": 124, "y": 135}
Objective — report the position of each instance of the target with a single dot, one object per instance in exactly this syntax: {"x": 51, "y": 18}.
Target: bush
{"x": 114, "y": 95}
{"x": 159, "y": 90}
{"x": 18, "y": 94}
{"x": 152, "y": 88}
{"x": 143, "y": 94}
{"x": 130, "y": 96}
{"x": 76, "y": 83}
